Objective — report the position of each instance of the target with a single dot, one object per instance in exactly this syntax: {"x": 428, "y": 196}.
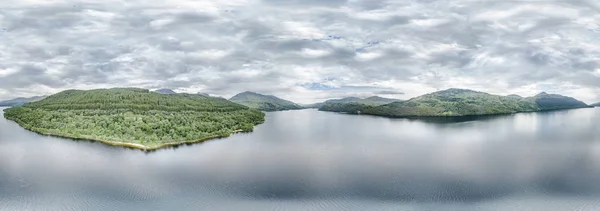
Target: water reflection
{"x": 301, "y": 160}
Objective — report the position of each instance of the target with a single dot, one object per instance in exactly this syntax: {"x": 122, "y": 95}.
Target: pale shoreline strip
{"x": 163, "y": 145}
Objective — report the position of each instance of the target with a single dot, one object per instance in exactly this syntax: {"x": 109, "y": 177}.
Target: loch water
{"x": 312, "y": 160}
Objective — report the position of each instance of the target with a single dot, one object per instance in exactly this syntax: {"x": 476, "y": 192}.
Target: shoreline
{"x": 139, "y": 146}
{"x": 133, "y": 145}
{"x": 423, "y": 117}
{"x": 164, "y": 145}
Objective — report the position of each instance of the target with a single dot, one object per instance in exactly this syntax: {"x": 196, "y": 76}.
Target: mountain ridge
{"x": 264, "y": 102}
{"x": 165, "y": 91}
{"x": 461, "y": 102}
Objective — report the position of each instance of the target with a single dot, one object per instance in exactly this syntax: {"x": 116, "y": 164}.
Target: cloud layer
{"x": 302, "y": 50}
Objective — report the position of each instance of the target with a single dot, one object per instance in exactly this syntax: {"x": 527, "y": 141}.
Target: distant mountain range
{"x": 374, "y": 101}
{"x": 596, "y": 104}
{"x": 20, "y": 101}
{"x": 264, "y": 102}
{"x": 460, "y": 102}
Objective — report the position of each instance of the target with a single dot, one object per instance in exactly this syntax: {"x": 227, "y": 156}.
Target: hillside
{"x": 264, "y": 102}
{"x": 455, "y": 102}
{"x": 596, "y": 104}
{"x": 20, "y": 101}
{"x": 134, "y": 117}
{"x": 547, "y": 101}
{"x": 462, "y": 102}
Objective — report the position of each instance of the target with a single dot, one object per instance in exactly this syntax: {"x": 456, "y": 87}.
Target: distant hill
{"x": 171, "y": 92}
{"x": 344, "y": 100}
{"x": 20, "y": 101}
{"x": 264, "y": 102}
{"x": 596, "y": 104}
{"x": 165, "y": 91}
{"x": 547, "y": 101}
{"x": 515, "y": 96}
{"x": 374, "y": 101}
{"x": 461, "y": 102}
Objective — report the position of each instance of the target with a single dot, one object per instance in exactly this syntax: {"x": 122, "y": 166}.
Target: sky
{"x": 302, "y": 50}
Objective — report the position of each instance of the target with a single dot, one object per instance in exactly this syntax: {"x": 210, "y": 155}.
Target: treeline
{"x": 133, "y": 99}
{"x": 350, "y": 108}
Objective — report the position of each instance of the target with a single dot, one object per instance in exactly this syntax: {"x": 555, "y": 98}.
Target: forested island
{"x": 135, "y": 118}
{"x": 264, "y": 102}
{"x": 459, "y": 102}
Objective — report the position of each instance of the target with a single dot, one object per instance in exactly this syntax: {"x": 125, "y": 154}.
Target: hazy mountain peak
{"x": 249, "y": 93}
{"x": 165, "y": 91}
{"x": 374, "y": 97}
{"x": 21, "y": 100}
{"x": 263, "y": 102}
{"x": 454, "y": 91}
{"x": 542, "y": 93}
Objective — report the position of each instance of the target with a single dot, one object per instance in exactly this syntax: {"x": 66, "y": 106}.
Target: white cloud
{"x": 7, "y": 72}
{"x": 314, "y": 53}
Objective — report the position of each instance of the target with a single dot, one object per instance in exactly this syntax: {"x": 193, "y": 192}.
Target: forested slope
{"x": 460, "y": 102}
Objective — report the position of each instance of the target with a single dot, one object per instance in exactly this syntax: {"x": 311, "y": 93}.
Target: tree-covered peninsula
{"x": 135, "y": 117}
{"x": 460, "y": 102}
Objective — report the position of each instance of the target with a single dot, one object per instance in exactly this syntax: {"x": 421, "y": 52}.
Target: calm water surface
{"x": 311, "y": 160}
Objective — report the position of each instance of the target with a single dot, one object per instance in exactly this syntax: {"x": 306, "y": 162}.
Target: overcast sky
{"x": 302, "y": 50}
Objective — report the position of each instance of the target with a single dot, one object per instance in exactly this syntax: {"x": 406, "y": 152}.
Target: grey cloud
{"x": 209, "y": 43}
{"x": 306, "y": 2}
{"x": 369, "y": 4}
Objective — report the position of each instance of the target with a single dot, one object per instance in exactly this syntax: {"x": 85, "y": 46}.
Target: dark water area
{"x": 311, "y": 160}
